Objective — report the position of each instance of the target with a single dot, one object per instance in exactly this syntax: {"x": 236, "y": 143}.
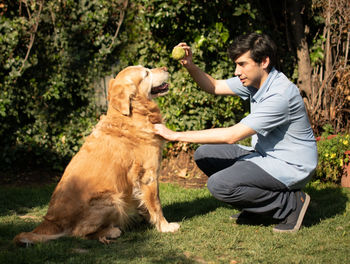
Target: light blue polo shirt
{"x": 284, "y": 145}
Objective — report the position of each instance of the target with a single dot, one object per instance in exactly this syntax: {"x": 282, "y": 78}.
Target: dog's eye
{"x": 147, "y": 73}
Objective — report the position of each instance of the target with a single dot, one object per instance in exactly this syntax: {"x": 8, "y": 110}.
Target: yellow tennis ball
{"x": 178, "y": 53}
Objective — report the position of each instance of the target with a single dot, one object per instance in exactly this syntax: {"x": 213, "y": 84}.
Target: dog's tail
{"x": 28, "y": 238}
{"x": 44, "y": 232}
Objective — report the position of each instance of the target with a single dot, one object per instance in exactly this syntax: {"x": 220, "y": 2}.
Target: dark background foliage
{"x": 52, "y": 54}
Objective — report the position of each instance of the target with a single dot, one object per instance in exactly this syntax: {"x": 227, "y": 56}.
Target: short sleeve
{"x": 268, "y": 114}
{"x": 236, "y": 86}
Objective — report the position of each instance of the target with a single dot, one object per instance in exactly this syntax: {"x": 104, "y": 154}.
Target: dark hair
{"x": 259, "y": 45}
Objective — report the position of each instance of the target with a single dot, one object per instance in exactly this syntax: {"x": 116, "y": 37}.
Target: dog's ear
{"x": 119, "y": 96}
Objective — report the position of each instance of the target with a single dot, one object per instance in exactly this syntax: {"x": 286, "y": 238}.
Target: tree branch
{"x": 122, "y": 13}
{"x": 35, "y": 29}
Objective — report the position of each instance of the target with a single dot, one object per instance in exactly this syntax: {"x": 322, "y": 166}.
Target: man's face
{"x": 249, "y": 72}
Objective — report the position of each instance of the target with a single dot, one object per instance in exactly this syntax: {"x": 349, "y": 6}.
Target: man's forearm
{"x": 205, "y": 81}
{"x": 228, "y": 135}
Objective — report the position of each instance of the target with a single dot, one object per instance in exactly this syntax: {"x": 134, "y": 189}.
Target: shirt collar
{"x": 266, "y": 85}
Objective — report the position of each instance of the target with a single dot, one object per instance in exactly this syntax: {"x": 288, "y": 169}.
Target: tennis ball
{"x": 178, "y": 53}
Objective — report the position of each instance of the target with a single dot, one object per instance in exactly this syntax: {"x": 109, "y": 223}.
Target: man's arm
{"x": 205, "y": 81}
{"x": 227, "y": 135}
{"x": 208, "y": 83}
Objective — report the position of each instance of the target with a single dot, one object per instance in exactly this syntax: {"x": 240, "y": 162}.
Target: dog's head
{"x": 136, "y": 81}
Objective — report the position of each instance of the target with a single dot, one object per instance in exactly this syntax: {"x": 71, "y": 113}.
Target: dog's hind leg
{"x": 106, "y": 235}
{"x": 99, "y": 219}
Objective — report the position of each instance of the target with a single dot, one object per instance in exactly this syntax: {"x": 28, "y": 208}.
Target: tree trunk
{"x": 304, "y": 65}
{"x": 328, "y": 50}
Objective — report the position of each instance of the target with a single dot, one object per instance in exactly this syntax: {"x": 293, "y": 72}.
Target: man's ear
{"x": 119, "y": 96}
{"x": 265, "y": 62}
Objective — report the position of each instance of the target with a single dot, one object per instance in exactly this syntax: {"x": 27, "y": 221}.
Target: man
{"x": 267, "y": 178}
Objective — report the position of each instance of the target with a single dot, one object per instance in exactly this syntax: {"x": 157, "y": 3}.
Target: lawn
{"x": 207, "y": 235}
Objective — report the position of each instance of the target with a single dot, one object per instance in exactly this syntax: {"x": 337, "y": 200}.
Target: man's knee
{"x": 213, "y": 186}
{"x": 202, "y": 161}
{"x": 220, "y": 189}
{"x": 200, "y": 153}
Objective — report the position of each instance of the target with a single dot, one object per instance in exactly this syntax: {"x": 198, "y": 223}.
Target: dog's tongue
{"x": 160, "y": 89}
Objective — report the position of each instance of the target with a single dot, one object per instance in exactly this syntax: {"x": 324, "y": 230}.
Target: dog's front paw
{"x": 169, "y": 227}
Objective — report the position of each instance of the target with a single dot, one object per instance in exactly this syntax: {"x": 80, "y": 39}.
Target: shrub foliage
{"x": 52, "y": 52}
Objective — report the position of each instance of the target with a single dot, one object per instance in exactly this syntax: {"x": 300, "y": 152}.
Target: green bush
{"x": 47, "y": 99}
{"x": 49, "y": 96}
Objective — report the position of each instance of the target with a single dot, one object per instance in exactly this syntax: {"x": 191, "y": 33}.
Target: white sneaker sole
{"x": 300, "y": 218}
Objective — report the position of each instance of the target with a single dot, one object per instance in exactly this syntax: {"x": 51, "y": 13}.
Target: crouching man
{"x": 265, "y": 179}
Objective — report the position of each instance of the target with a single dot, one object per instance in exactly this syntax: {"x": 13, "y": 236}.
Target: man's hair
{"x": 259, "y": 45}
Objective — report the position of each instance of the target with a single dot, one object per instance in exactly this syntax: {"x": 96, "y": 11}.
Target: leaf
{"x": 238, "y": 11}
{"x": 183, "y": 173}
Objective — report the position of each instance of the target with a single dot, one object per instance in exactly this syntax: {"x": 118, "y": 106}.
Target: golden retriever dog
{"x": 114, "y": 176}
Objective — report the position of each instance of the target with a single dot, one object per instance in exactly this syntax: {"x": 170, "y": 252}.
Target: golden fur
{"x": 115, "y": 173}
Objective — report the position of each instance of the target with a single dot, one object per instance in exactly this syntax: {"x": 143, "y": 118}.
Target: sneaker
{"x": 293, "y": 221}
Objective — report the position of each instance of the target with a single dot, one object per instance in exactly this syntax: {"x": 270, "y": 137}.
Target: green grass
{"x": 206, "y": 235}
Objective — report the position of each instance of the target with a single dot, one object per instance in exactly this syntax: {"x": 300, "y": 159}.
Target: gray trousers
{"x": 243, "y": 184}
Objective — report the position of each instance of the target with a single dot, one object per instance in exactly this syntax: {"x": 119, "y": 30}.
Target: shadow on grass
{"x": 187, "y": 210}
{"x": 325, "y": 203}
{"x": 132, "y": 247}
{"x": 20, "y": 199}
{"x": 139, "y": 245}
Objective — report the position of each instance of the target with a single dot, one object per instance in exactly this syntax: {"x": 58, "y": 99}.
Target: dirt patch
{"x": 31, "y": 176}
{"x": 180, "y": 168}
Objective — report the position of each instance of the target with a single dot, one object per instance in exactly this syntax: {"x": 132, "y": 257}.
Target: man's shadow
{"x": 325, "y": 203}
